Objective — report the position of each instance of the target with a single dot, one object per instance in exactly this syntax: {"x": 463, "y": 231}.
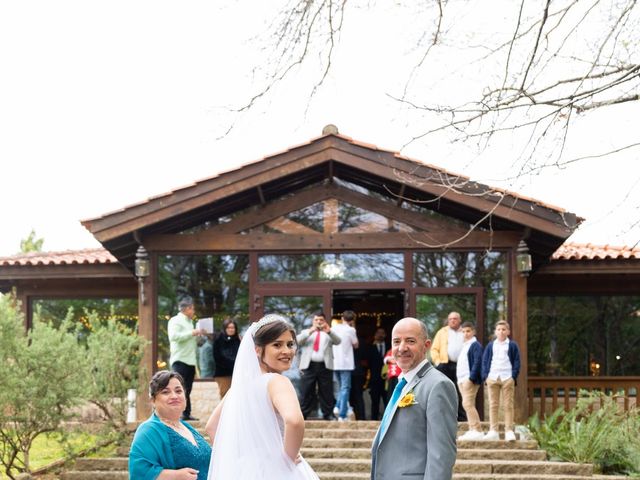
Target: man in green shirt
{"x": 183, "y": 348}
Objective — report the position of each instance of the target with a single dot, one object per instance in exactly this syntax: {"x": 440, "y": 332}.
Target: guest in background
{"x": 375, "y": 358}
{"x": 343, "y": 363}
{"x": 225, "y": 350}
{"x": 316, "y": 366}
{"x": 393, "y": 371}
{"x": 358, "y": 379}
{"x": 183, "y": 348}
{"x": 206, "y": 362}
{"x": 446, "y": 348}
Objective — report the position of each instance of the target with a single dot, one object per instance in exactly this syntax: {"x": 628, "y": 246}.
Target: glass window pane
{"x": 434, "y": 309}
{"x": 298, "y": 309}
{"x": 584, "y": 336}
{"x": 467, "y": 269}
{"x": 345, "y": 267}
{"x": 219, "y": 286}
{"x": 330, "y": 216}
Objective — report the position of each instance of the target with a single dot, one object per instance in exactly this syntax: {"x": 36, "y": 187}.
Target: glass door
{"x": 433, "y": 305}
{"x": 298, "y": 305}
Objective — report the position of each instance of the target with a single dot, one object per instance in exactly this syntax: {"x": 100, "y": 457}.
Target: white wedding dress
{"x": 249, "y": 440}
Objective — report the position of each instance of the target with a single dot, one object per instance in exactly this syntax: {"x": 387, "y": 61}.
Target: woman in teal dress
{"x": 165, "y": 447}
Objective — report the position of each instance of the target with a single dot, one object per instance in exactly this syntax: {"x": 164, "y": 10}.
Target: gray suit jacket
{"x": 305, "y": 342}
{"x": 420, "y": 441}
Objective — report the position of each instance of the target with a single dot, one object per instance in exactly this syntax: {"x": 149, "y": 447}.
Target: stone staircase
{"x": 339, "y": 451}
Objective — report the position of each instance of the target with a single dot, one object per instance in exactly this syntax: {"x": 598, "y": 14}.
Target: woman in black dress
{"x": 225, "y": 350}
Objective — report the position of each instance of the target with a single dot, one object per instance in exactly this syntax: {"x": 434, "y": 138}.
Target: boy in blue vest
{"x": 500, "y": 368}
{"x": 469, "y": 377}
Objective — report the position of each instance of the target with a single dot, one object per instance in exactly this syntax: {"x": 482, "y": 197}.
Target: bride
{"x": 258, "y": 428}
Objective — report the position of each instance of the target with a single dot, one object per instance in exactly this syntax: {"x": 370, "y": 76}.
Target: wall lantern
{"x": 142, "y": 270}
{"x": 523, "y": 259}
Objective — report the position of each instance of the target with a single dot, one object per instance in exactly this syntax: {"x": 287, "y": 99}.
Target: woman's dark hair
{"x": 161, "y": 379}
{"x": 228, "y": 322}
{"x": 271, "y": 331}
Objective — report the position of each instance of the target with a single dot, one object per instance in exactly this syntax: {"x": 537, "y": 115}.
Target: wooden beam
{"x": 330, "y": 216}
{"x": 411, "y": 218}
{"x": 290, "y": 227}
{"x": 147, "y": 329}
{"x": 261, "y": 195}
{"x": 519, "y": 327}
{"x": 205, "y": 242}
{"x": 273, "y": 210}
{"x": 593, "y": 267}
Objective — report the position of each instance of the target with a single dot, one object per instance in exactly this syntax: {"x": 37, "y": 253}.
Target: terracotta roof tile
{"x": 588, "y": 251}
{"x": 68, "y": 257}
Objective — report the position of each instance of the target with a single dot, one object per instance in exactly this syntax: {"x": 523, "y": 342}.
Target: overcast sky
{"x": 103, "y": 104}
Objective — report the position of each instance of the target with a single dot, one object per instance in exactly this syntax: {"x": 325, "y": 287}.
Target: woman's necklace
{"x": 175, "y": 425}
{"x": 180, "y": 429}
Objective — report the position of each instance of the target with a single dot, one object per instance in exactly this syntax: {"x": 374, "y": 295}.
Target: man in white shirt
{"x": 343, "y": 363}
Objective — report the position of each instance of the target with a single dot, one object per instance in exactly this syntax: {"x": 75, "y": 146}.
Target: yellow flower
{"x": 407, "y": 400}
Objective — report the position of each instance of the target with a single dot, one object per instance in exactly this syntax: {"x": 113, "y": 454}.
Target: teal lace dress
{"x": 186, "y": 454}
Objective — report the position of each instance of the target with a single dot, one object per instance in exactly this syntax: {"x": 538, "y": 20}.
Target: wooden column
{"x": 146, "y": 322}
{"x": 519, "y": 334}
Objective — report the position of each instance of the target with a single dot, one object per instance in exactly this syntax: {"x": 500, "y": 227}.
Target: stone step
{"x": 463, "y": 454}
{"x": 502, "y": 476}
{"x": 354, "y": 453}
{"x": 520, "y": 467}
{"x": 339, "y": 433}
{"x": 464, "y": 426}
{"x": 341, "y": 465}
{"x": 336, "y": 443}
{"x": 498, "y": 444}
{"x": 501, "y": 454}
{"x": 356, "y": 424}
{"x": 523, "y": 467}
{"x": 95, "y": 475}
{"x": 344, "y": 476}
{"x": 102, "y": 464}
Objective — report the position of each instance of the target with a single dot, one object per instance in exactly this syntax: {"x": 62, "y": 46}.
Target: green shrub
{"x": 595, "y": 431}
{"x": 43, "y": 379}
{"x": 114, "y": 352}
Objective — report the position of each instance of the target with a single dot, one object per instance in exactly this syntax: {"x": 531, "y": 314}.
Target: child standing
{"x": 500, "y": 368}
{"x": 469, "y": 376}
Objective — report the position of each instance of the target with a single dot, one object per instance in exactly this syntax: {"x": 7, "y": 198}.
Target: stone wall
{"x": 205, "y": 396}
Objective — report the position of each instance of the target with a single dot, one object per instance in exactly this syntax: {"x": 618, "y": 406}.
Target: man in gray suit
{"x": 417, "y": 435}
{"x": 316, "y": 366}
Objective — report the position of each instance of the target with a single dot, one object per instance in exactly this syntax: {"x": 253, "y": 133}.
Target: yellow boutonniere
{"x": 407, "y": 400}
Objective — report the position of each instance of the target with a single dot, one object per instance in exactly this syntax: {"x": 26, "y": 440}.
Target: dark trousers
{"x": 317, "y": 374}
{"x": 449, "y": 369}
{"x": 377, "y": 393}
{"x": 188, "y": 373}
{"x": 355, "y": 396}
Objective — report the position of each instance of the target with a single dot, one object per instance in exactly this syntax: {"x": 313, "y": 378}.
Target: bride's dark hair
{"x": 271, "y": 331}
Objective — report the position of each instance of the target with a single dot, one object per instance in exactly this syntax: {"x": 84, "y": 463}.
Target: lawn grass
{"x": 47, "y": 448}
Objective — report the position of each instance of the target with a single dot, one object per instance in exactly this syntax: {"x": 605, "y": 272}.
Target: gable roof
{"x": 322, "y": 159}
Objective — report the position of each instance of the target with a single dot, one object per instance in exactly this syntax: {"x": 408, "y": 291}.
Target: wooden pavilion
{"x": 336, "y": 223}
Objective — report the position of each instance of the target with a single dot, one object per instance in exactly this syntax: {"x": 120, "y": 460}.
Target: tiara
{"x": 267, "y": 319}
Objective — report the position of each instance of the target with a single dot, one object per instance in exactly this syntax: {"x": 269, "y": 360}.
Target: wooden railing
{"x": 546, "y": 394}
